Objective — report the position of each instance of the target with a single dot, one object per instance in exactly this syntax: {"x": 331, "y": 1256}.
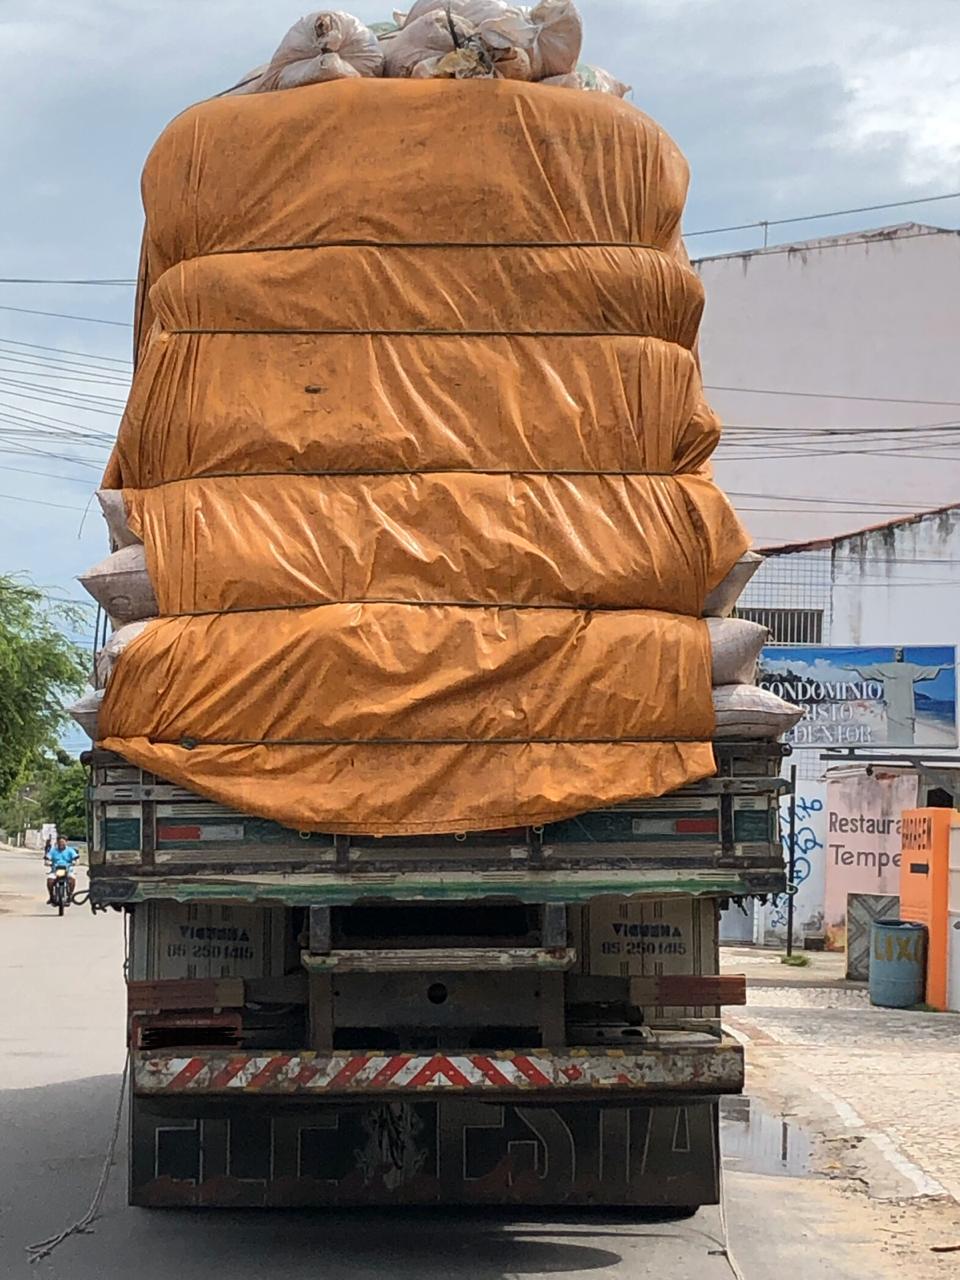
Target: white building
{"x": 894, "y": 584}
{"x": 833, "y": 364}
{"x": 891, "y": 583}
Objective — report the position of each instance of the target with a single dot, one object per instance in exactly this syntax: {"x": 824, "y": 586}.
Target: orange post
{"x": 924, "y": 881}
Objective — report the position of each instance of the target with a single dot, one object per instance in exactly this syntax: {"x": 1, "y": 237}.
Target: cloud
{"x": 782, "y": 109}
{"x": 891, "y": 103}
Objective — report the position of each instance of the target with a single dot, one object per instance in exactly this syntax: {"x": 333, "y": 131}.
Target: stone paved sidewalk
{"x": 890, "y": 1076}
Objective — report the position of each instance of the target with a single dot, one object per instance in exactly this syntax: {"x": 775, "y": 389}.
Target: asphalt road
{"x": 61, "y": 1051}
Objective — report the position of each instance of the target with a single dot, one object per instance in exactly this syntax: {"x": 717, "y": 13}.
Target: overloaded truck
{"x": 426, "y": 748}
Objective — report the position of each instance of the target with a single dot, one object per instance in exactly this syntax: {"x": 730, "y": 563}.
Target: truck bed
{"x": 151, "y": 840}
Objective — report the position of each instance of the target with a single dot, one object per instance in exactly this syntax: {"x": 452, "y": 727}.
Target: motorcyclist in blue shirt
{"x": 61, "y": 855}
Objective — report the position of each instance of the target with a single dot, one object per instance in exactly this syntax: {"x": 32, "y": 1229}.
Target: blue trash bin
{"x": 898, "y": 963}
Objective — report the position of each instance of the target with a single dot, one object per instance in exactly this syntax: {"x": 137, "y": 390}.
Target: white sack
{"x": 319, "y": 70}
{"x": 302, "y": 55}
{"x": 475, "y": 11}
{"x": 556, "y": 49}
{"x": 735, "y": 646}
{"x": 747, "y": 711}
{"x": 86, "y": 710}
{"x": 722, "y": 600}
{"x": 592, "y": 79}
{"x": 110, "y": 653}
{"x": 425, "y": 38}
{"x": 550, "y": 35}
{"x": 121, "y": 586}
{"x": 115, "y": 513}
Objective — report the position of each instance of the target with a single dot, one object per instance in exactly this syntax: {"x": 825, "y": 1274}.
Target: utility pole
{"x": 791, "y": 860}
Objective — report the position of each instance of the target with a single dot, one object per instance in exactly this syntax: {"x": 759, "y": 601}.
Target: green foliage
{"x": 63, "y": 798}
{"x": 40, "y": 667}
{"x": 799, "y": 960}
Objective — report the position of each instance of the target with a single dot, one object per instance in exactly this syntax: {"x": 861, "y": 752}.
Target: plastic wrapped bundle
{"x": 523, "y": 44}
{"x": 722, "y": 600}
{"x": 418, "y": 455}
{"x": 747, "y": 711}
{"x": 324, "y": 46}
{"x": 109, "y": 655}
{"x": 86, "y": 712}
{"x": 121, "y": 585}
{"x": 424, "y": 40}
{"x": 590, "y": 79}
{"x": 115, "y": 514}
{"x": 735, "y": 646}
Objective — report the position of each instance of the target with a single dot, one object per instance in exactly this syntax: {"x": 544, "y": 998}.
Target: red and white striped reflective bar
{"x": 703, "y": 1068}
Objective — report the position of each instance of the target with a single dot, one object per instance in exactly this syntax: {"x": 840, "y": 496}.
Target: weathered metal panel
{"x": 439, "y": 999}
{"x": 426, "y": 959}
{"x": 185, "y": 993}
{"x": 256, "y": 1153}
{"x": 862, "y": 910}
{"x": 207, "y": 940}
{"x": 522, "y": 886}
{"x": 697, "y": 840}
{"x": 702, "y": 1065}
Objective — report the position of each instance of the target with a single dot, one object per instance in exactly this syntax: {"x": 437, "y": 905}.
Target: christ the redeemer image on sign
{"x": 899, "y": 679}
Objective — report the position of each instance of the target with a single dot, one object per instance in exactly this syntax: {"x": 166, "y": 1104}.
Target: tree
{"x": 62, "y": 794}
{"x": 40, "y": 666}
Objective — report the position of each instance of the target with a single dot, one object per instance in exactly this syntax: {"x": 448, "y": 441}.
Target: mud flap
{"x": 267, "y": 1152}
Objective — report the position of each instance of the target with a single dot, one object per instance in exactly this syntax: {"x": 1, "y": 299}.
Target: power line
{"x": 791, "y": 497}
{"x": 829, "y": 395}
{"x": 126, "y": 282}
{"x": 48, "y": 280}
{"x": 938, "y": 583}
{"x": 19, "y": 452}
{"x": 869, "y": 237}
{"x": 59, "y": 315}
{"x": 69, "y": 403}
{"x": 789, "y": 434}
{"x": 45, "y": 360}
{"x": 38, "y": 502}
{"x": 16, "y": 342}
{"x": 53, "y": 373}
{"x": 831, "y": 213}
{"x": 32, "y": 416}
{"x": 30, "y": 429}
{"x": 46, "y": 475}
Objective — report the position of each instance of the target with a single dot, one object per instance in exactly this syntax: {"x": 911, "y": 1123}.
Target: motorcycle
{"x": 61, "y": 894}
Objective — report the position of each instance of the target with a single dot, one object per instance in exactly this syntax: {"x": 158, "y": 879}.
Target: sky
{"x": 782, "y": 110}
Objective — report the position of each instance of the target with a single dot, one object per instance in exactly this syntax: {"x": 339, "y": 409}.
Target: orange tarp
{"x": 419, "y": 454}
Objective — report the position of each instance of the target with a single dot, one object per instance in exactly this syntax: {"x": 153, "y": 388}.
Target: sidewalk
{"x": 879, "y": 1087}
{"x": 763, "y": 967}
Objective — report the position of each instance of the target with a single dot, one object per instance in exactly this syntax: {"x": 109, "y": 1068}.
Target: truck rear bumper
{"x": 665, "y": 1063}
{"x": 260, "y": 1152}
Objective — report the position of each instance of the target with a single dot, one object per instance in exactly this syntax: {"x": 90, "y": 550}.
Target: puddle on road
{"x": 755, "y": 1141}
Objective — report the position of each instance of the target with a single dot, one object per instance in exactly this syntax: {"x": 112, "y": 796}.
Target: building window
{"x": 788, "y": 626}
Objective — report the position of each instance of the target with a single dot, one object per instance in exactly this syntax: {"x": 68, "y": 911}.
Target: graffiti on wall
{"x": 809, "y": 848}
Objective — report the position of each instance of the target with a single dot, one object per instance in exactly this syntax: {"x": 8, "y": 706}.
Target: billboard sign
{"x": 902, "y": 697}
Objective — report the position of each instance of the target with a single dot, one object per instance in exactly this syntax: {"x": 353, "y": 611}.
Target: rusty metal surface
{"x": 185, "y": 993}
{"x": 205, "y": 853}
{"x": 688, "y": 1063}
{"x": 189, "y": 1151}
{"x": 307, "y": 889}
{"x": 448, "y": 959}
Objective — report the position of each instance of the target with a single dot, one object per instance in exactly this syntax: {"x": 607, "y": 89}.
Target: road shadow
{"x": 54, "y": 1143}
